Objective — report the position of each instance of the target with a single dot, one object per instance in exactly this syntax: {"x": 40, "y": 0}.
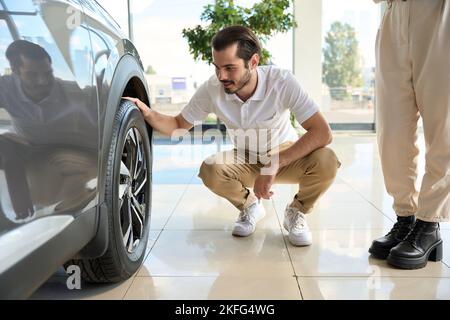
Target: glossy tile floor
{"x": 192, "y": 255}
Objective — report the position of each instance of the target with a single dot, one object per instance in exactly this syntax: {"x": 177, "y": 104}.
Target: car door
{"x": 49, "y": 123}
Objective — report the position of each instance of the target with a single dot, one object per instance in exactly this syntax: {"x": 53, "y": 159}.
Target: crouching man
{"x": 254, "y": 103}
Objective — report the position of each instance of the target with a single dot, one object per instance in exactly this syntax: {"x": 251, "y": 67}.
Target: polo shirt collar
{"x": 261, "y": 86}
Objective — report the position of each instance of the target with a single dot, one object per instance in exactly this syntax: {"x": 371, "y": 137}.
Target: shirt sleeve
{"x": 298, "y": 101}
{"x": 199, "y": 106}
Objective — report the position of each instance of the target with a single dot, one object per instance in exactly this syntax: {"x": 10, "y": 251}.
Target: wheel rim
{"x": 132, "y": 190}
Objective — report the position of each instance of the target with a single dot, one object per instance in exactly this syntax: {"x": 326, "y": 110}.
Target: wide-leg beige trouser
{"x": 229, "y": 174}
{"x": 412, "y": 80}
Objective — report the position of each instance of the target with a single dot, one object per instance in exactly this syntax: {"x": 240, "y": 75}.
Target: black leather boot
{"x": 423, "y": 243}
{"x": 382, "y": 246}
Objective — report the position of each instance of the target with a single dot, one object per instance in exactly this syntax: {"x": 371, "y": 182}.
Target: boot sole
{"x": 434, "y": 253}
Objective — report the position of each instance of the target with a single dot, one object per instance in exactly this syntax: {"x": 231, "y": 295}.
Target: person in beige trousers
{"x": 254, "y": 102}
{"x": 412, "y": 81}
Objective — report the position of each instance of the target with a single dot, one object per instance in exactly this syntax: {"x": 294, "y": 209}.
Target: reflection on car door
{"x": 48, "y": 112}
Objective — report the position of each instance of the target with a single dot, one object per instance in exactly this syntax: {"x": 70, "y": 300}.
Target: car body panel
{"x": 50, "y": 127}
{"x": 54, "y": 140}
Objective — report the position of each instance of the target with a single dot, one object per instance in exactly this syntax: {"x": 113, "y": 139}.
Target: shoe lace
{"x": 414, "y": 234}
{"x": 244, "y": 215}
{"x": 400, "y": 228}
{"x": 296, "y": 219}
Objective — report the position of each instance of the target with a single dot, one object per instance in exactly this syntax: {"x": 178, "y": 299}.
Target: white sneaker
{"x": 246, "y": 222}
{"x": 295, "y": 223}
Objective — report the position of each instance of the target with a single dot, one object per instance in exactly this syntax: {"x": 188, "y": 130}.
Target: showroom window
{"x": 349, "y": 29}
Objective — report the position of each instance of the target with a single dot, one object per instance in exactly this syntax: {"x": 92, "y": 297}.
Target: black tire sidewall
{"x": 129, "y": 262}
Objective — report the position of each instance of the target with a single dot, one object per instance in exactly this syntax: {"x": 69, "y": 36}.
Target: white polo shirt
{"x": 263, "y": 121}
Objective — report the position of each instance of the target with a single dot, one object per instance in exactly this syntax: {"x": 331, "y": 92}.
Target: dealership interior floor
{"x": 192, "y": 254}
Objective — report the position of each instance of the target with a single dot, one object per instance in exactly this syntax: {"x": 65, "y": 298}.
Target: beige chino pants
{"x": 412, "y": 80}
{"x": 229, "y": 174}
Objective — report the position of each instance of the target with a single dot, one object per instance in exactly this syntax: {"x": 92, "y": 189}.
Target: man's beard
{"x": 37, "y": 94}
{"x": 241, "y": 83}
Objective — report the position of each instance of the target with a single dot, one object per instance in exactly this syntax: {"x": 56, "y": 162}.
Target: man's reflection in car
{"x": 49, "y": 158}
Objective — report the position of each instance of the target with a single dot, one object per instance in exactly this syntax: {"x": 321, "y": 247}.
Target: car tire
{"x": 126, "y": 191}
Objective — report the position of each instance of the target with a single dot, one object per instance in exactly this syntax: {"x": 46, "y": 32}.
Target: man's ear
{"x": 254, "y": 61}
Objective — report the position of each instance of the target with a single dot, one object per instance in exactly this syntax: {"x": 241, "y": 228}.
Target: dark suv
{"x": 75, "y": 159}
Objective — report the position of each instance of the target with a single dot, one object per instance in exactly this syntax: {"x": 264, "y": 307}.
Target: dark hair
{"x": 248, "y": 43}
{"x": 27, "y": 49}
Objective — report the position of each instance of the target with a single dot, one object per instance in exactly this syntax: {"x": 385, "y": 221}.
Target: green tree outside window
{"x": 341, "y": 65}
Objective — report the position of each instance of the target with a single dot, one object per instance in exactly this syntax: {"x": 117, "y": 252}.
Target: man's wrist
{"x": 271, "y": 167}
{"x": 148, "y": 115}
